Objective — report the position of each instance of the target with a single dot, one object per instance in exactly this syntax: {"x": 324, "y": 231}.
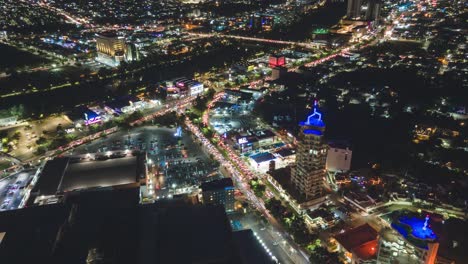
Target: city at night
{"x": 233, "y": 131}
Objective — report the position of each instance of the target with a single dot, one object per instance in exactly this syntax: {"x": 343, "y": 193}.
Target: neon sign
{"x": 315, "y": 113}
{"x": 178, "y": 132}
{"x": 242, "y": 140}
{"x": 315, "y": 118}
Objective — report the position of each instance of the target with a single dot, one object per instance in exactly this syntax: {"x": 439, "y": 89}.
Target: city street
{"x": 240, "y": 174}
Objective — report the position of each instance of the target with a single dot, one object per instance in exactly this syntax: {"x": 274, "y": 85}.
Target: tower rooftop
{"x": 314, "y": 119}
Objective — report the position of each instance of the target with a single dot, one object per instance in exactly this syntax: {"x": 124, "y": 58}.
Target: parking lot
{"x": 178, "y": 163}
{"x": 229, "y": 114}
{"x": 12, "y": 189}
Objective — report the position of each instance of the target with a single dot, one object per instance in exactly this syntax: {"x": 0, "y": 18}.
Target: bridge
{"x": 307, "y": 45}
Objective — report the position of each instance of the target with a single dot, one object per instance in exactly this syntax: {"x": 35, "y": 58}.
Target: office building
{"x": 354, "y": 9}
{"x": 309, "y": 171}
{"x": 132, "y": 53}
{"x": 338, "y": 158}
{"x": 219, "y": 192}
{"x": 373, "y": 10}
{"x": 110, "y": 49}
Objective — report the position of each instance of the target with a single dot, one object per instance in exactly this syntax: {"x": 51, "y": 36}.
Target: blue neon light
{"x": 178, "y": 132}
{"x": 314, "y": 119}
{"x": 418, "y": 230}
{"x": 313, "y": 132}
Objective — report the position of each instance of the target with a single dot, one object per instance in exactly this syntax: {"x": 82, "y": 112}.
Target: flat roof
{"x": 51, "y": 176}
{"x": 185, "y": 234}
{"x": 285, "y": 152}
{"x": 106, "y": 173}
{"x": 215, "y": 185}
{"x": 262, "y": 157}
{"x": 361, "y": 240}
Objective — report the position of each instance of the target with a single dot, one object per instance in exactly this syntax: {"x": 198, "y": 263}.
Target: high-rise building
{"x": 373, "y": 10}
{"x": 132, "y": 53}
{"x": 110, "y": 48}
{"x": 354, "y": 9}
{"x": 338, "y": 158}
{"x": 219, "y": 192}
{"x": 110, "y": 44}
{"x": 309, "y": 171}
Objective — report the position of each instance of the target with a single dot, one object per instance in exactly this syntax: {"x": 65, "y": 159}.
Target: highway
{"x": 307, "y": 45}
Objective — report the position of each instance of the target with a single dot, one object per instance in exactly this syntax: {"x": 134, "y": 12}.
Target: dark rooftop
{"x": 202, "y": 232}
{"x": 51, "y": 176}
{"x": 251, "y": 252}
{"x": 262, "y": 157}
{"x": 62, "y": 175}
{"x": 361, "y": 240}
{"x": 217, "y": 184}
{"x": 111, "y": 172}
{"x": 104, "y": 226}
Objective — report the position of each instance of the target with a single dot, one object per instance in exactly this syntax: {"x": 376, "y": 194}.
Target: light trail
{"x": 308, "y": 45}
{"x": 240, "y": 173}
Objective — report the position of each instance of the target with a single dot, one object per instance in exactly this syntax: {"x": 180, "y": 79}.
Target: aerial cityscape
{"x": 234, "y": 131}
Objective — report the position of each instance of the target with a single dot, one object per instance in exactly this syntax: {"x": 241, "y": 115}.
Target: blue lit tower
{"x": 309, "y": 171}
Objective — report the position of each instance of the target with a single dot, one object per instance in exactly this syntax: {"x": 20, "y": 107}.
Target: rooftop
{"x": 250, "y": 249}
{"x": 111, "y": 172}
{"x": 217, "y": 185}
{"x": 262, "y": 157}
{"x": 361, "y": 240}
{"x": 116, "y": 231}
{"x": 67, "y": 174}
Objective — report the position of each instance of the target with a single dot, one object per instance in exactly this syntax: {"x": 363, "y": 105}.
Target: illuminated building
{"x": 132, "y": 53}
{"x": 411, "y": 241}
{"x": 354, "y": 9}
{"x": 359, "y": 245}
{"x": 110, "y": 48}
{"x": 276, "y": 61}
{"x": 267, "y": 22}
{"x": 338, "y": 161}
{"x": 309, "y": 171}
{"x": 3, "y": 35}
{"x": 219, "y": 192}
{"x": 91, "y": 117}
{"x": 338, "y": 158}
{"x": 373, "y": 10}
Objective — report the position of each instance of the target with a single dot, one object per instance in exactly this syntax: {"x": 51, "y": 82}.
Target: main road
{"x": 240, "y": 174}
{"x": 308, "y": 45}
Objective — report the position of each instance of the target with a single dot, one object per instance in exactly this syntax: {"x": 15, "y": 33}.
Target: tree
{"x": 257, "y": 187}
{"x": 41, "y": 141}
{"x": 16, "y": 135}
{"x": 320, "y": 255}
{"x": 41, "y": 150}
